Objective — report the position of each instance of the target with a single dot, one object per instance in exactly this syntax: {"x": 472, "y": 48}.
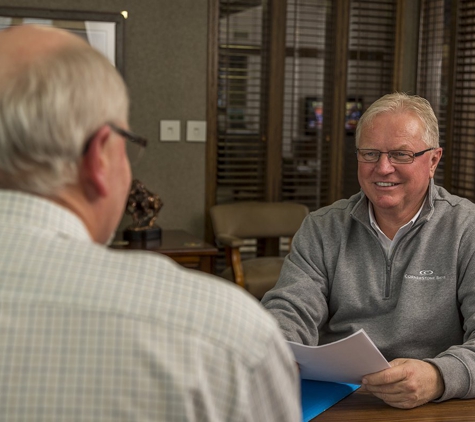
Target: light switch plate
{"x": 170, "y": 130}
{"x": 196, "y": 131}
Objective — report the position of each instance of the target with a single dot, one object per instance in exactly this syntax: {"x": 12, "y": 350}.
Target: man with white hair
{"x": 90, "y": 333}
{"x": 396, "y": 259}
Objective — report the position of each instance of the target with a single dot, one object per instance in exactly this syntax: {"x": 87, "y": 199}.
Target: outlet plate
{"x": 170, "y": 130}
{"x": 196, "y": 131}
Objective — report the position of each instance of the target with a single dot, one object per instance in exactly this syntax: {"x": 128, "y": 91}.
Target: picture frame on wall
{"x": 103, "y": 30}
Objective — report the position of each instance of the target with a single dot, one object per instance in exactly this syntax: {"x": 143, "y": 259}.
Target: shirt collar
{"x": 30, "y": 212}
{"x": 386, "y": 242}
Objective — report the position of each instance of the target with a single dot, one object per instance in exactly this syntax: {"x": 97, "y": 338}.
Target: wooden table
{"x": 364, "y": 407}
{"x": 182, "y": 247}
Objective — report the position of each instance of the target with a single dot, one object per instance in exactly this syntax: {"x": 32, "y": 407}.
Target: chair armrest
{"x": 231, "y": 241}
{"x": 233, "y": 259}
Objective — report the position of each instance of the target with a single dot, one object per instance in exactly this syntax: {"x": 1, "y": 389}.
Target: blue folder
{"x": 318, "y": 396}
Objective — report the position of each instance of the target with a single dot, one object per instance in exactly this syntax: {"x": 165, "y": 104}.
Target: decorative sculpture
{"x": 143, "y": 205}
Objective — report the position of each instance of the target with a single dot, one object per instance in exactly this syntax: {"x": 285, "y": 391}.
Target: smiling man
{"x": 397, "y": 259}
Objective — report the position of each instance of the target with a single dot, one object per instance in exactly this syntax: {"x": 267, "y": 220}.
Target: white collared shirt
{"x": 90, "y": 333}
{"x": 387, "y": 243}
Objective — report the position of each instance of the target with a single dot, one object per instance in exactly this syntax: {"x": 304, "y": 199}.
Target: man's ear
{"x": 94, "y": 165}
{"x": 435, "y": 159}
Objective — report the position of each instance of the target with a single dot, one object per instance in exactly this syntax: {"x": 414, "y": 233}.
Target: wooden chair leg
{"x": 237, "y": 267}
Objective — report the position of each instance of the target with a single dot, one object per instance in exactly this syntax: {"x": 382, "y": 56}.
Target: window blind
{"x": 304, "y": 154}
{"x": 463, "y": 129}
{"x": 242, "y": 69}
{"x": 446, "y": 77}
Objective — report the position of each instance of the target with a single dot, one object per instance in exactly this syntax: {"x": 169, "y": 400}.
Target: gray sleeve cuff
{"x": 455, "y": 374}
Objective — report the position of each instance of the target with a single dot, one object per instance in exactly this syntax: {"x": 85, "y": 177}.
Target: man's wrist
{"x": 439, "y": 384}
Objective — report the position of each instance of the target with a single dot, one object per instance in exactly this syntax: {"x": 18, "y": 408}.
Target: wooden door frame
{"x": 340, "y": 71}
{"x": 275, "y": 104}
{"x": 211, "y": 170}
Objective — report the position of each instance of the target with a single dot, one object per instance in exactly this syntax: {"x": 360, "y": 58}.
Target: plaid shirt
{"x": 93, "y": 334}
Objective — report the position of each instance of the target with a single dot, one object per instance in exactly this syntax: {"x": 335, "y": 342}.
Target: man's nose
{"x": 384, "y": 164}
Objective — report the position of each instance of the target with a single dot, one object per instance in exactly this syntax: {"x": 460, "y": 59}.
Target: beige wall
{"x": 165, "y": 68}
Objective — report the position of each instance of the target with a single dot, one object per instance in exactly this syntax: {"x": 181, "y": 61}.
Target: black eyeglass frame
{"x": 411, "y": 154}
{"x": 130, "y": 136}
{"x": 127, "y": 134}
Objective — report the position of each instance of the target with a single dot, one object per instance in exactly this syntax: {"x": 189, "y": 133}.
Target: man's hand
{"x": 408, "y": 383}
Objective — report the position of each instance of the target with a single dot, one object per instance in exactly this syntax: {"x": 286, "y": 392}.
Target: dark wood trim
{"x": 55, "y": 14}
{"x": 406, "y": 39}
{"x": 337, "y": 130}
{"x": 275, "y": 102}
{"x": 452, "y": 71}
{"x": 398, "y": 64}
{"x": 211, "y": 116}
{"x": 238, "y": 5}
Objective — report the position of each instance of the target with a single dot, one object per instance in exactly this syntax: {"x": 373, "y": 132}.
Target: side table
{"x": 181, "y": 246}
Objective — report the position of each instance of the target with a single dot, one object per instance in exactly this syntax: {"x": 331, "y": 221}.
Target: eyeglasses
{"x": 135, "y": 148}
{"x": 394, "y": 157}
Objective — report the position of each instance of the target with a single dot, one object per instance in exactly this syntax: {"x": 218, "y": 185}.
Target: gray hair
{"x": 48, "y": 109}
{"x": 403, "y": 103}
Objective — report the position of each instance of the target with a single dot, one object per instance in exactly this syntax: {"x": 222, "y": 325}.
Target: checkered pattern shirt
{"x": 93, "y": 334}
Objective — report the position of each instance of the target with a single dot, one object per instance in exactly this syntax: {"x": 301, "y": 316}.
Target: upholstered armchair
{"x": 237, "y": 222}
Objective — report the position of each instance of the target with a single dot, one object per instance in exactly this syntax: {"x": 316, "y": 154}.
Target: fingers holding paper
{"x": 408, "y": 383}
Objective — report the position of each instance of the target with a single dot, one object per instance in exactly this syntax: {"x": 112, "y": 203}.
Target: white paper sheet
{"x": 346, "y": 360}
